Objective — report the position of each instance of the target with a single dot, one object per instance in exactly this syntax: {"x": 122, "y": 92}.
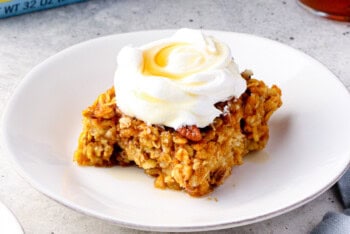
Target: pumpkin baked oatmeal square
{"x": 181, "y": 110}
{"x": 192, "y": 159}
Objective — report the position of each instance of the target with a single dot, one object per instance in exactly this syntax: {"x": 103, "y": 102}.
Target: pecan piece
{"x": 190, "y": 132}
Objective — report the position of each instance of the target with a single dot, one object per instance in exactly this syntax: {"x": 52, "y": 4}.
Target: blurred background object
{"x": 332, "y": 9}
{"x": 8, "y": 221}
{"x": 16, "y": 7}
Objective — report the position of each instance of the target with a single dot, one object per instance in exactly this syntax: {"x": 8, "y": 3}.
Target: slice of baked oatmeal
{"x": 192, "y": 159}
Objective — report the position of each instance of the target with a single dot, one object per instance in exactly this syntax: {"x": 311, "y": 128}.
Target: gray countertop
{"x": 29, "y": 39}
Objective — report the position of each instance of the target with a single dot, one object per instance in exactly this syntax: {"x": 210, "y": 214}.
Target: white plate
{"x": 8, "y": 222}
{"x": 308, "y": 149}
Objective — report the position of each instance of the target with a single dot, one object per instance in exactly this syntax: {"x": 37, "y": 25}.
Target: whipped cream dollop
{"x": 177, "y": 81}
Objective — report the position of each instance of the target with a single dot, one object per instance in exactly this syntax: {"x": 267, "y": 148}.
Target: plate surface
{"x": 308, "y": 149}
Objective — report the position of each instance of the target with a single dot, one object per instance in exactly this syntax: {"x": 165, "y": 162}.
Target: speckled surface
{"x": 27, "y": 40}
